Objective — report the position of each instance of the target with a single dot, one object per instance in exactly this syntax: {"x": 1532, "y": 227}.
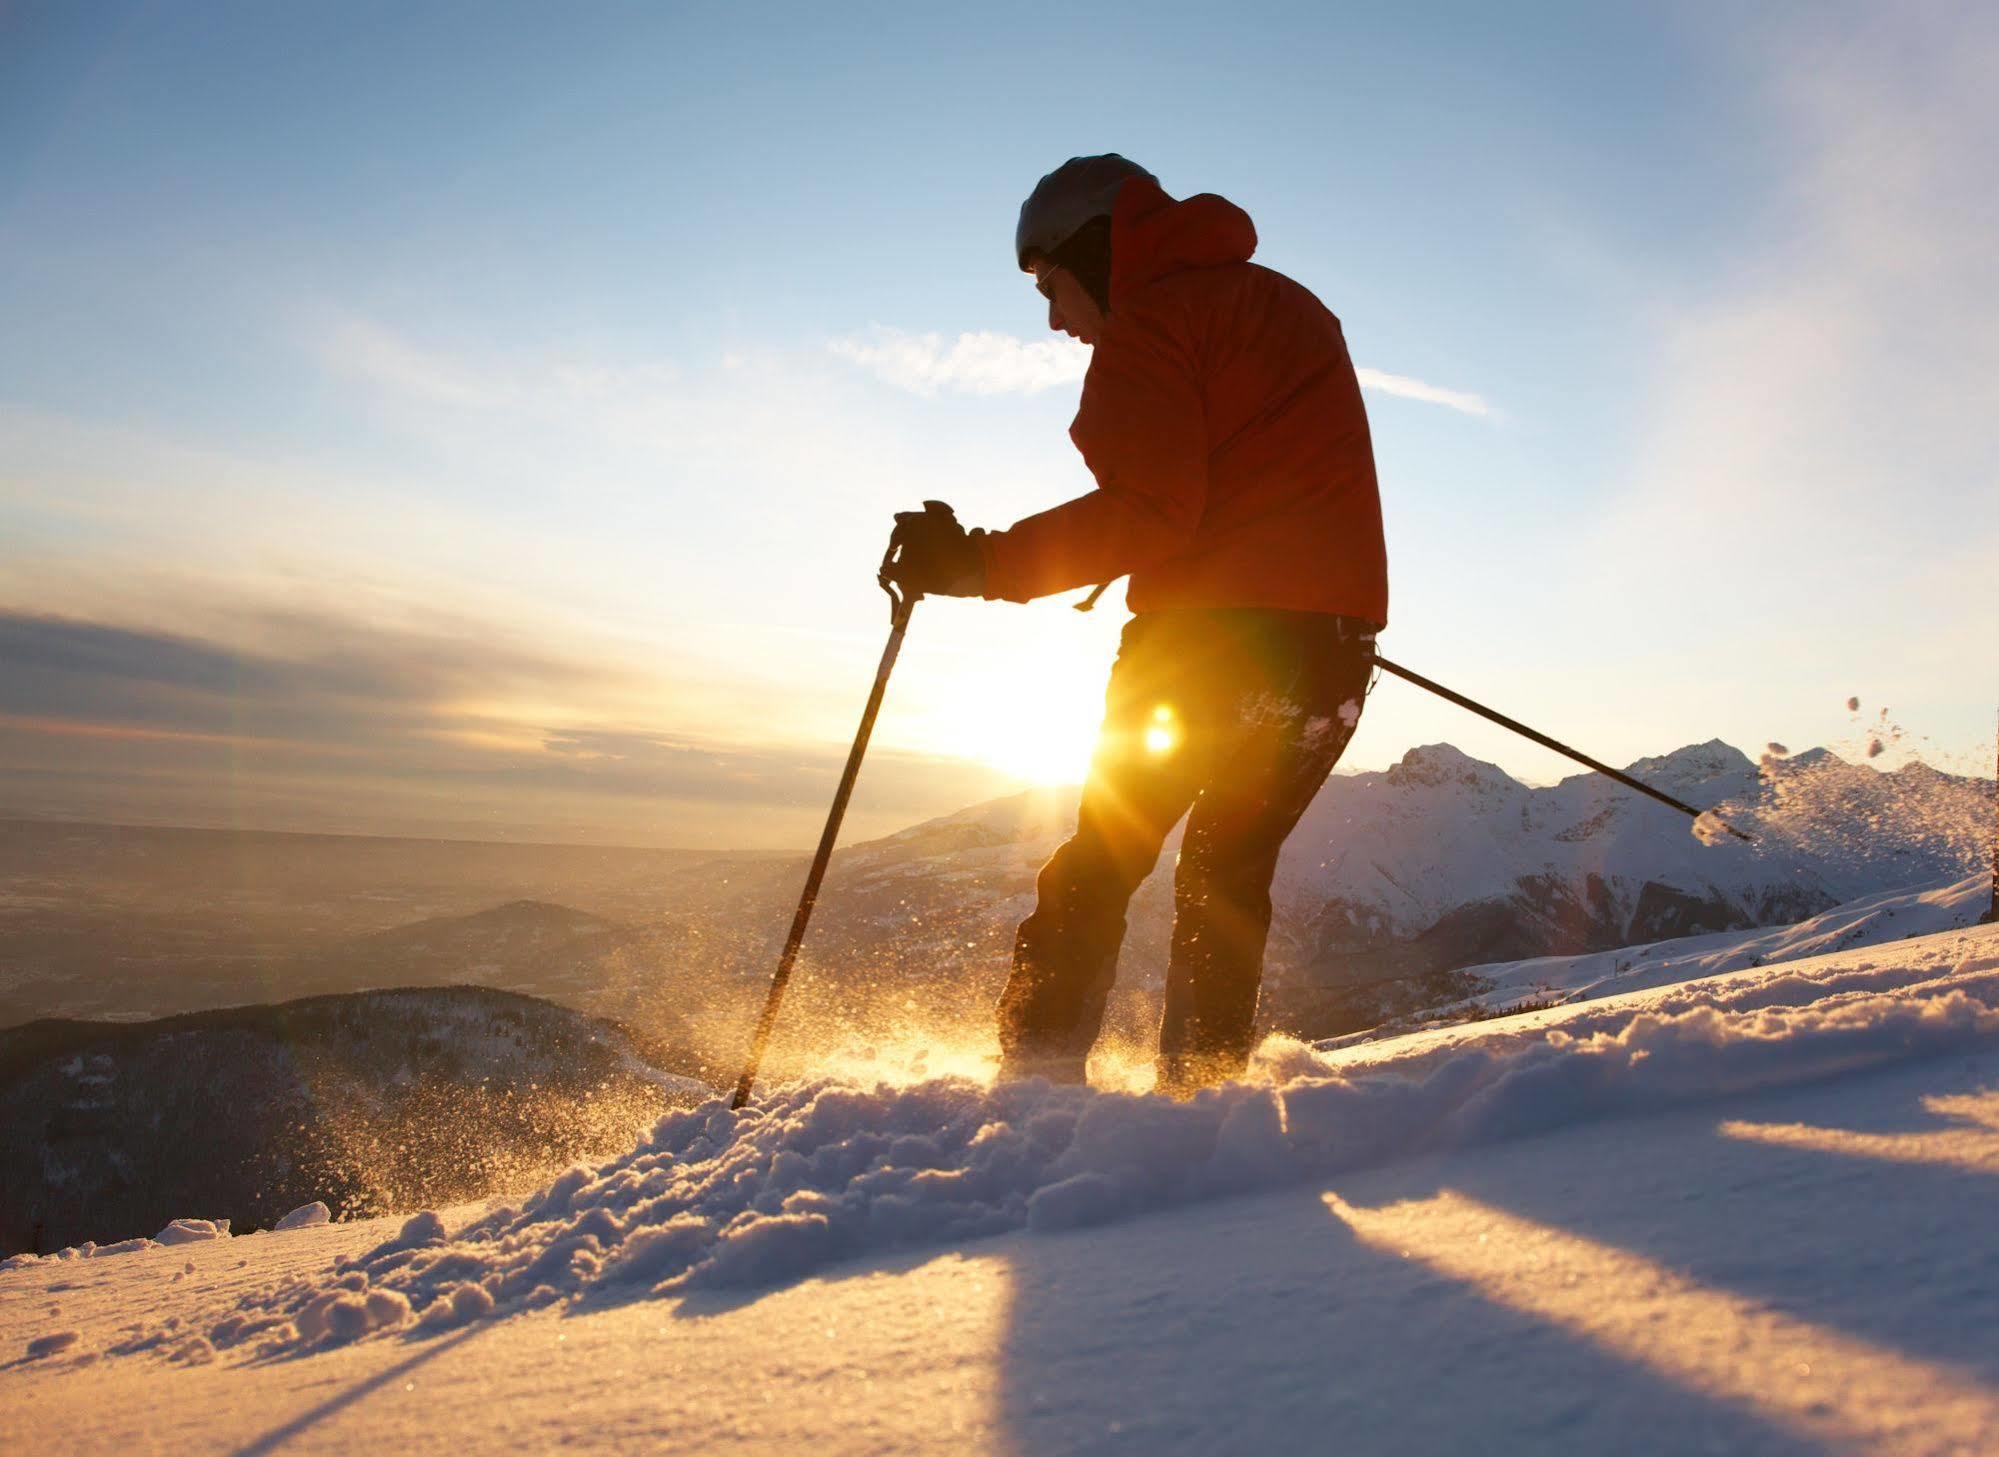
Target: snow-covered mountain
{"x": 1396, "y": 879}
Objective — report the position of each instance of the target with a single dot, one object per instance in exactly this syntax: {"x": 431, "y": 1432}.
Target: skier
{"x": 1235, "y": 483}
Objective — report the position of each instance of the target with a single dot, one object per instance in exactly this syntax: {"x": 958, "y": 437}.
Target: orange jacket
{"x": 1223, "y": 423}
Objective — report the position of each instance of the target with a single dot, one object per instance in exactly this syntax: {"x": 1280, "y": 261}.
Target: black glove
{"x": 931, "y": 555}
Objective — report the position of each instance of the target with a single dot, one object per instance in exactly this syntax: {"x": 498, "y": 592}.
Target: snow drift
{"x": 826, "y": 1170}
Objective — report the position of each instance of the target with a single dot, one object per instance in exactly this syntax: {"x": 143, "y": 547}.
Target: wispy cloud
{"x": 983, "y": 363}
{"x": 989, "y": 363}
{"x": 1403, "y": 387}
{"x": 363, "y": 348}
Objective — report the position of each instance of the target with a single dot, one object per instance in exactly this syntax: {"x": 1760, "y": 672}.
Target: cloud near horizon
{"x": 330, "y": 724}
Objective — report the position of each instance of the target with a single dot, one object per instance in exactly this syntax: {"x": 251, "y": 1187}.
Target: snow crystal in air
{"x": 1860, "y": 828}
{"x": 1711, "y": 829}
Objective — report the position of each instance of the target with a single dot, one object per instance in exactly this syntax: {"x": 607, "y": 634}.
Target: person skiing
{"x": 1235, "y": 484}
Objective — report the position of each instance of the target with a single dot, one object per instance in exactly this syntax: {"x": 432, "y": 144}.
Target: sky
{"x": 484, "y": 420}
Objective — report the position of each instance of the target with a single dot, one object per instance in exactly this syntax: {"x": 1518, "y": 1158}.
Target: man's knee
{"x": 1231, "y": 869}
{"x": 1089, "y": 870}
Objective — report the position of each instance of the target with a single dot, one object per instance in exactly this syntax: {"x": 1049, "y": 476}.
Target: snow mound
{"x": 90, "y": 1249}
{"x": 192, "y": 1231}
{"x": 826, "y": 1171}
{"x": 306, "y": 1216}
{"x": 178, "y": 1232}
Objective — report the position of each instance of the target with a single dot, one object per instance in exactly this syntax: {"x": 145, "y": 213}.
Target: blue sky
{"x": 546, "y": 376}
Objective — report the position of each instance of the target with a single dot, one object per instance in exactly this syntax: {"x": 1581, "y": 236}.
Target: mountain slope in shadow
{"x": 372, "y": 1101}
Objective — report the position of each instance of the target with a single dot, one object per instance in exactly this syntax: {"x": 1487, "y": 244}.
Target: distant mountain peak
{"x": 1438, "y": 764}
{"x": 1694, "y": 764}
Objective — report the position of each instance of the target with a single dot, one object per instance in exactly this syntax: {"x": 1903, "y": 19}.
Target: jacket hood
{"x": 1153, "y": 235}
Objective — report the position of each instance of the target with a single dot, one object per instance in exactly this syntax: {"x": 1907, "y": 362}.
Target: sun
{"x": 1042, "y": 729}
{"x": 1041, "y": 742}
{"x": 1023, "y": 696}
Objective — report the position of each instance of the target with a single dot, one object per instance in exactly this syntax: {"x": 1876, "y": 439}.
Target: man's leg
{"x": 1065, "y": 953}
{"x": 1294, "y": 727}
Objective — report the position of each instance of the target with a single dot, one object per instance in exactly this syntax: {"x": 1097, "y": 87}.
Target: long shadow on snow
{"x": 297, "y": 1426}
{"x": 1260, "y": 1324}
{"x": 1266, "y": 1325}
{"x": 1813, "y": 1232}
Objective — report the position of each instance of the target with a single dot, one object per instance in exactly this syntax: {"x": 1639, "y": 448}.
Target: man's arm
{"x": 1143, "y": 434}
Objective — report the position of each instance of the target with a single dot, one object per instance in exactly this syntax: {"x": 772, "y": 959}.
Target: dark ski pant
{"x": 1234, "y": 718}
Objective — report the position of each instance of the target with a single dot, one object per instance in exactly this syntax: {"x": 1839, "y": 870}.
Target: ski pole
{"x": 1547, "y": 743}
{"x": 901, "y": 602}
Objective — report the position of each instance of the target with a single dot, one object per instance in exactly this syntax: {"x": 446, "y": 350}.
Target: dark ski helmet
{"x": 1080, "y": 189}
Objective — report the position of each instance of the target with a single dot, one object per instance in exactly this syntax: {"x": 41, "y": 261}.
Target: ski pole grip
{"x": 901, "y": 599}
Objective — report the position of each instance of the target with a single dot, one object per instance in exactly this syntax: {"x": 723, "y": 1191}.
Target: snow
{"x": 192, "y": 1231}
{"x": 89, "y": 1250}
{"x": 177, "y": 1232}
{"x": 1872, "y": 920}
{"x": 1606, "y": 1226}
{"x": 52, "y": 1344}
{"x": 306, "y": 1216}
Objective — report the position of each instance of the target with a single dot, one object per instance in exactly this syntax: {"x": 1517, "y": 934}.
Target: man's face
{"x": 1071, "y": 310}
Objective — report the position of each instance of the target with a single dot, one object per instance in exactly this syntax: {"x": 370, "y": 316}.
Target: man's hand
{"x": 931, "y": 555}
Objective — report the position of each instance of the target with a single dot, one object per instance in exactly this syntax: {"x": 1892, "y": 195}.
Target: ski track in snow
{"x": 825, "y": 1171}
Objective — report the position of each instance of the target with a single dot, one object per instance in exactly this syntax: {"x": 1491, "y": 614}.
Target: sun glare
{"x": 1042, "y": 728}
{"x": 1046, "y": 737}
{"x": 1047, "y": 749}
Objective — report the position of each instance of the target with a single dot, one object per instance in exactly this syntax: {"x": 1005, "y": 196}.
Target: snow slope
{"x": 1753, "y": 1217}
{"x": 1872, "y": 920}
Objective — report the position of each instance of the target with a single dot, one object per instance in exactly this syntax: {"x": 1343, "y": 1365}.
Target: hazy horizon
{"x": 529, "y": 836}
